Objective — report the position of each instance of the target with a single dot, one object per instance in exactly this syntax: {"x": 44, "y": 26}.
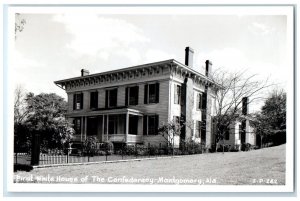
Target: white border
{"x": 156, "y": 188}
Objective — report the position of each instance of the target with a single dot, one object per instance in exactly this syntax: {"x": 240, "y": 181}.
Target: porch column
{"x": 127, "y": 127}
{"x": 85, "y": 127}
{"x": 103, "y": 134}
{"x": 81, "y": 128}
{"x": 107, "y": 128}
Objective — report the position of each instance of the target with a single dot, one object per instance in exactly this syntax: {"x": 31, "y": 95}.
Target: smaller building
{"x": 240, "y": 130}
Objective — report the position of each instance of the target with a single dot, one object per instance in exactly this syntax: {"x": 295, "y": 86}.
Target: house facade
{"x": 126, "y": 106}
{"x": 240, "y": 130}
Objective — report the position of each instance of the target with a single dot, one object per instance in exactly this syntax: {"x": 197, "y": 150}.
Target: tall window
{"x": 177, "y": 94}
{"x": 201, "y": 101}
{"x": 151, "y": 93}
{"x": 151, "y": 125}
{"x": 112, "y": 124}
{"x": 78, "y": 101}
{"x": 111, "y": 98}
{"x": 132, "y": 95}
{"x": 77, "y": 125}
{"x": 94, "y": 100}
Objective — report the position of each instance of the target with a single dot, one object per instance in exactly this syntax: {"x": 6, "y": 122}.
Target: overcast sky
{"x": 57, "y": 46}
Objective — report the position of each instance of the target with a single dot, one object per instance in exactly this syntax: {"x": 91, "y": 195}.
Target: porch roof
{"x": 100, "y": 112}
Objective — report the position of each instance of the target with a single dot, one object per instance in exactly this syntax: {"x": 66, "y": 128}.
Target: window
{"x": 133, "y": 126}
{"x": 151, "y": 125}
{"x": 111, "y": 98}
{"x": 132, "y": 96}
{"x": 151, "y": 93}
{"x": 112, "y": 124}
{"x": 92, "y": 123}
{"x": 78, "y": 101}
{"x": 77, "y": 125}
{"x": 177, "y": 94}
{"x": 94, "y": 100}
{"x": 201, "y": 101}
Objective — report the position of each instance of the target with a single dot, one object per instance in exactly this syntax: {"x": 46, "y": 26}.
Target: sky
{"x": 57, "y": 46}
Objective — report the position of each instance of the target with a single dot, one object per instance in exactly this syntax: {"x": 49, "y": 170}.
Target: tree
{"x": 19, "y": 23}
{"x": 46, "y": 117}
{"x": 21, "y": 133}
{"x": 271, "y": 122}
{"x": 229, "y": 99}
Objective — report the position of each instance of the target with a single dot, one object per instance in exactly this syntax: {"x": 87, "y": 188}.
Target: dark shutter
{"x": 146, "y": 94}
{"x": 126, "y": 96}
{"x": 81, "y": 100}
{"x": 204, "y": 98}
{"x": 145, "y": 125}
{"x": 157, "y": 92}
{"x": 182, "y": 94}
{"x": 137, "y": 95}
{"x": 156, "y": 124}
{"x": 74, "y": 101}
{"x": 106, "y": 99}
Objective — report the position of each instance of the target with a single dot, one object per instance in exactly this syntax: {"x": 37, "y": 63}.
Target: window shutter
{"x": 204, "y": 97}
{"x": 137, "y": 95}
{"x": 146, "y": 94}
{"x": 106, "y": 99}
{"x": 182, "y": 95}
{"x": 156, "y": 124}
{"x": 145, "y": 125}
{"x": 81, "y": 100}
{"x": 74, "y": 101}
{"x": 126, "y": 96}
{"x": 157, "y": 92}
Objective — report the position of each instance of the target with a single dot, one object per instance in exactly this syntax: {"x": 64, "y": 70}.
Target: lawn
{"x": 257, "y": 167}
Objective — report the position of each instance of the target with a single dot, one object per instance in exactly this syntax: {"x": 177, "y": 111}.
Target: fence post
{"x": 35, "y": 150}
{"x": 67, "y": 155}
{"x": 16, "y": 157}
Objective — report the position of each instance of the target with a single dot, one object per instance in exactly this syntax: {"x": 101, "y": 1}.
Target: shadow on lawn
{"x": 22, "y": 167}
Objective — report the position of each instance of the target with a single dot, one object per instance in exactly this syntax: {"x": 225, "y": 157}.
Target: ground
{"x": 257, "y": 167}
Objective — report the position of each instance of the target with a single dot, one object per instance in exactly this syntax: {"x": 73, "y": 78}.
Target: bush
{"x": 226, "y": 148}
{"x": 235, "y": 148}
{"x": 246, "y": 147}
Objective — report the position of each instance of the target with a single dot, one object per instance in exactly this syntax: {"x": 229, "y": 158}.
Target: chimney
{"x": 208, "y": 67}
{"x": 245, "y": 106}
{"x": 84, "y": 72}
{"x": 189, "y": 54}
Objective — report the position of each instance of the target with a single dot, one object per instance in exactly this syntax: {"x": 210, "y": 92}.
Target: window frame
{"x": 147, "y": 93}
{"x": 177, "y": 94}
{"x": 94, "y": 102}
{"x": 108, "y": 96}
{"x": 128, "y": 96}
{"x": 76, "y": 126}
{"x": 78, "y": 99}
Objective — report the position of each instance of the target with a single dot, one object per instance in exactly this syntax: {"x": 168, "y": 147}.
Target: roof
{"x": 171, "y": 63}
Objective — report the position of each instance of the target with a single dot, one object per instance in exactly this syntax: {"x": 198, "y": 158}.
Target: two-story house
{"x": 126, "y": 106}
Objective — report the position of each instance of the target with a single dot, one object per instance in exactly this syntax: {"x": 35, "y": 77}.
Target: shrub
{"x": 246, "y": 147}
{"x": 235, "y": 148}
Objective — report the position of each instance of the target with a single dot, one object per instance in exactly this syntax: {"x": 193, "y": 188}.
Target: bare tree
{"x": 229, "y": 99}
{"x": 20, "y": 111}
{"x": 19, "y": 23}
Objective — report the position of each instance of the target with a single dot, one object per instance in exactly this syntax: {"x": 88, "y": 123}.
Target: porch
{"x": 116, "y": 126}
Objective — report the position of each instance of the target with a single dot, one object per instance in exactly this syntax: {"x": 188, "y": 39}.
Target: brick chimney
{"x": 84, "y": 72}
{"x": 208, "y": 67}
{"x": 189, "y": 54}
{"x": 245, "y": 106}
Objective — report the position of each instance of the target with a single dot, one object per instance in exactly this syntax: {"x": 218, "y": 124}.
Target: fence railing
{"x": 99, "y": 153}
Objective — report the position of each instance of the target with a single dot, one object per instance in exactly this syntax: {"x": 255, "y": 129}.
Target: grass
{"x": 256, "y": 167}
